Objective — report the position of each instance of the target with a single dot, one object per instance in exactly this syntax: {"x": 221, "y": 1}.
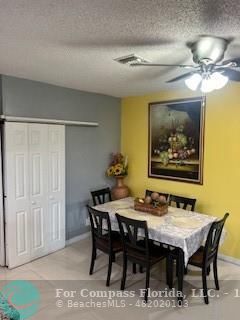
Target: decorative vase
{"x": 120, "y": 190}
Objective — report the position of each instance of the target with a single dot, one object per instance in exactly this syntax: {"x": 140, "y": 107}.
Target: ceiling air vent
{"x": 130, "y": 59}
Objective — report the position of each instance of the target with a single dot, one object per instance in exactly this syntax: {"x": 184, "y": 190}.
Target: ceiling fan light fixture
{"x": 194, "y": 81}
{"x": 219, "y": 80}
{"x": 207, "y": 85}
{"x": 213, "y": 82}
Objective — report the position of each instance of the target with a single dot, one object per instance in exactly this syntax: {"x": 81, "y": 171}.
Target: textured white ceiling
{"x": 72, "y": 43}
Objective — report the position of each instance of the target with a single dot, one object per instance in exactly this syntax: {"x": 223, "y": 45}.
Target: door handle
{"x": 33, "y": 202}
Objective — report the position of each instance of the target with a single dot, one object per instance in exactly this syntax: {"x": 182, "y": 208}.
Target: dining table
{"x": 178, "y": 228}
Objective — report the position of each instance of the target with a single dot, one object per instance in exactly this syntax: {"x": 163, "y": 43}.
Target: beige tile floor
{"x": 68, "y": 269}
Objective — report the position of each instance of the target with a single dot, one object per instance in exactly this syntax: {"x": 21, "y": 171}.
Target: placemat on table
{"x": 186, "y": 222}
{"x": 152, "y": 221}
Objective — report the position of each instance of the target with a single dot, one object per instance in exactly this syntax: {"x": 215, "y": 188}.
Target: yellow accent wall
{"x": 220, "y": 191}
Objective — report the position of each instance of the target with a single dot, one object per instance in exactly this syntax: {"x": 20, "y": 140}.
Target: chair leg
{"x": 177, "y": 267}
{"x": 109, "y": 269}
{"x": 204, "y": 280}
{"x": 180, "y": 272}
{"x": 215, "y": 274}
{"x": 124, "y": 273}
{"x": 94, "y": 255}
{"x": 147, "y": 283}
{"x": 134, "y": 268}
{"x": 185, "y": 270}
{"x": 208, "y": 270}
{"x": 114, "y": 257}
{"x": 141, "y": 269}
{"x": 169, "y": 272}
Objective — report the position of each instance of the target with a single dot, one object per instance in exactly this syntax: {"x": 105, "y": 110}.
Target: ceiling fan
{"x": 209, "y": 71}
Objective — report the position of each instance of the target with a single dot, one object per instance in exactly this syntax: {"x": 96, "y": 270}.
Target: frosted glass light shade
{"x": 219, "y": 80}
{"x": 193, "y": 81}
{"x": 208, "y": 82}
{"x": 207, "y": 85}
{"x": 215, "y": 81}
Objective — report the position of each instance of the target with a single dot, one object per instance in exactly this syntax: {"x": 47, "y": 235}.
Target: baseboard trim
{"x": 229, "y": 259}
{"x": 78, "y": 238}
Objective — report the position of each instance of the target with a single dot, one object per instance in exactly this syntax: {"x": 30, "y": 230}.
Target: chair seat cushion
{"x": 197, "y": 258}
{"x": 156, "y": 253}
{"x": 103, "y": 242}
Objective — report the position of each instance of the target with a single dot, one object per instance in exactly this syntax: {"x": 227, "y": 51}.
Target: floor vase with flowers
{"x": 120, "y": 190}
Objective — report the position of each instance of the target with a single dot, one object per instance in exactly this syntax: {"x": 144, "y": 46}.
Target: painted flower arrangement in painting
{"x": 118, "y": 165}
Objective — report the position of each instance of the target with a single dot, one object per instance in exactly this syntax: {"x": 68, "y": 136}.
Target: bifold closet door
{"x": 17, "y": 206}
{"x": 38, "y": 188}
{"x": 34, "y": 182}
{"x": 2, "y": 243}
{"x": 56, "y": 187}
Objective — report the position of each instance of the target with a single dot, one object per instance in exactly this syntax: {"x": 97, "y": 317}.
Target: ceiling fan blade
{"x": 181, "y": 77}
{"x": 233, "y": 75}
{"x": 148, "y": 64}
{"x": 233, "y": 60}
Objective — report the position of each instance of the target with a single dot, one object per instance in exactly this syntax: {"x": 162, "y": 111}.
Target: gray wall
{"x": 87, "y": 148}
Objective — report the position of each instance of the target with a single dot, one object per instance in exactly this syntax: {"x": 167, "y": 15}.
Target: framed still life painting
{"x": 176, "y": 130}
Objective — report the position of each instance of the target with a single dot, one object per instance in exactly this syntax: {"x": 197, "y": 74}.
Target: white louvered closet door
{"x": 35, "y": 182}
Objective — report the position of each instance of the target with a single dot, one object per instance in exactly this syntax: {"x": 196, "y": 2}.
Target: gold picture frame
{"x": 176, "y": 140}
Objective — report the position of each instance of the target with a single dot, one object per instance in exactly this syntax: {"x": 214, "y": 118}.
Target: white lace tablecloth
{"x": 179, "y": 228}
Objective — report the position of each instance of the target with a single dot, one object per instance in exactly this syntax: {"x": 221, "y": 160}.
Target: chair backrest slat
{"x": 131, "y": 232}
{"x": 100, "y": 223}
{"x": 101, "y": 196}
{"x": 182, "y": 202}
{"x": 213, "y": 239}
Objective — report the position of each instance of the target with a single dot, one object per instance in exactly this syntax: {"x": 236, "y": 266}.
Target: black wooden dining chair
{"x": 138, "y": 249}
{"x": 207, "y": 255}
{"x": 101, "y": 196}
{"x": 149, "y": 192}
{"x": 103, "y": 238}
{"x": 182, "y": 202}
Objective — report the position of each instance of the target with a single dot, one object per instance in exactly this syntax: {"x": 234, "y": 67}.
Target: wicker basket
{"x": 160, "y": 210}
